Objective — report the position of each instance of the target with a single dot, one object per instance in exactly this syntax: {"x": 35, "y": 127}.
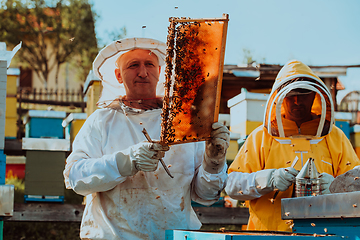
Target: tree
{"x": 115, "y": 34}
{"x": 248, "y": 57}
{"x": 52, "y": 32}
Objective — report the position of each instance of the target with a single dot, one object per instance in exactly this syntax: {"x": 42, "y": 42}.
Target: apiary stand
{"x": 337, "y": 213}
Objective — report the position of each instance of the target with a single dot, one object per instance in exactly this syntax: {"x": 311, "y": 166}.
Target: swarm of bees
{"x": 190, "y": 87}
{"x": 188, "y": 78}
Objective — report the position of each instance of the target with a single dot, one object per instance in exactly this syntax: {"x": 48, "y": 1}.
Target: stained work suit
{"x": 111, "y": 159}
{"x": 279, "y": 142}
{"x": 115, "y": 204}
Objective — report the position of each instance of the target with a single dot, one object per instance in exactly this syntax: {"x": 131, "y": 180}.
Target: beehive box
{"x": 92, "y": 92}
{"x": 342, "y": 121}
{"x": 11, "y": 103}
{"x": 246, "y": 112}
{"x": 336, "y": 213}
{"x": 44, "y": 124}
{"x": 355, "y": 138}
{"x": 6, "y": 200}
{"x": 45, "y": 162}
{"x": 239, "y": 235}
{"x": 72, "y": 124}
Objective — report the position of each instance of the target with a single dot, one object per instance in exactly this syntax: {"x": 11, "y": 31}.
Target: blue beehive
{"x": 332, "y": 214}
{"x": 44, "y": 124}
{"x": 342, "y": 121}
{"x": 46, "y": 150}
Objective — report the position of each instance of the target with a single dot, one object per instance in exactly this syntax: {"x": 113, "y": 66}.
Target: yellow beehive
{"x": 72, "y": 124}
{"x": 11, "y": 103}
{"x": 92, "y": 91}
{"x": 234, "y": 138}
{"x": 76, "y": 126}
{"x": 232, "y": 150}
{"x": 355, "y": 138}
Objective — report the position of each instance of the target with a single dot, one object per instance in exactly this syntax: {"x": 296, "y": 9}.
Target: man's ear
{"x": 118, "y": 75}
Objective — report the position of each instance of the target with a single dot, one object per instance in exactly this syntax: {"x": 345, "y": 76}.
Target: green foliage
{"x": 19, "y": 187}
{"x": 248, "y": 56}
{"x": 18, "y": 183}
{"x": 117, "y": 34}
{"x": 52, "y": 32}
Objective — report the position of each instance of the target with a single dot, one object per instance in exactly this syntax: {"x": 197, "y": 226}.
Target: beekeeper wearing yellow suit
{"x": 128, "y": 194}
{"x": 298, "y": 124}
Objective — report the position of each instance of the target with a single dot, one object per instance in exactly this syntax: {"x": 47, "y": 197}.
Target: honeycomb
{"x": 194, "y": 64}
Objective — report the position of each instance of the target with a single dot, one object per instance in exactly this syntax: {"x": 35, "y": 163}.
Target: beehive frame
{"x": 194, "y": 69}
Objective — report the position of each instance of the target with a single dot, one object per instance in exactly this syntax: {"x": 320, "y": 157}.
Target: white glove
{"x": 271, "y": 179}
{"x": 325, "y": 182}
{"x": 143, "y": 156}
{"x": 215, "y": 150}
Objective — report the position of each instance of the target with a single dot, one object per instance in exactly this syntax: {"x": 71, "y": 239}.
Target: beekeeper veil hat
{"x": 105, "y": 63}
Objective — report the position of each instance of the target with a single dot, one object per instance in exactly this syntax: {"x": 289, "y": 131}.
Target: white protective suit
{"x": 144, "y": 205}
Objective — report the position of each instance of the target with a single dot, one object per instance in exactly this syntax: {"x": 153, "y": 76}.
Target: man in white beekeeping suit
{"x": 128, "y": 194}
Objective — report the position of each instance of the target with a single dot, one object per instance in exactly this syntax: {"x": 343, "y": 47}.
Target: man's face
{"x": 298, "y": 107}
{"x": 139, "y": 71}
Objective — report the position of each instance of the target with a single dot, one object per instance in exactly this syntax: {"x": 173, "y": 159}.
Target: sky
{"x": 316, "y": 32}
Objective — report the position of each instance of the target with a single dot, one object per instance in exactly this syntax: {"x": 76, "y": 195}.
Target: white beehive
{"x": 246, "y": 111}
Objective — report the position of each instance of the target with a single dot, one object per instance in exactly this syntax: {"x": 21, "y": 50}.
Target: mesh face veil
{"x": 297, "y": 79}
{"x": 105, "y": 63}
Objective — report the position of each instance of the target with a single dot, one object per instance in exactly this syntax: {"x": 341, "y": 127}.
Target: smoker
{"x": 307, "y": 181}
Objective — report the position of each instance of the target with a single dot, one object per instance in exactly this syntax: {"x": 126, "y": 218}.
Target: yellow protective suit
{"x": 277, "y": 143}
